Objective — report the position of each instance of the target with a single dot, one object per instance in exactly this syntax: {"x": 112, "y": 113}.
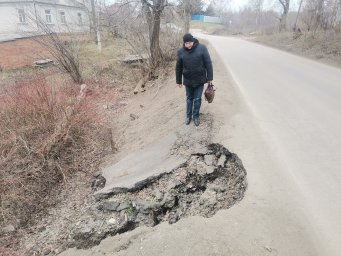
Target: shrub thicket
{"x": 47, "y": 133}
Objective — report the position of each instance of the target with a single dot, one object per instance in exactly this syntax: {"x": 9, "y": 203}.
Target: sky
{"x": 238, "y": 4}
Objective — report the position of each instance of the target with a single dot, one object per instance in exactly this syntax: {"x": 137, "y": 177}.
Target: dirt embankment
{"x": 211, "y": 179}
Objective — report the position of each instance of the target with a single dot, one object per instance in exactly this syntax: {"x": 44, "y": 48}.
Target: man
{"x": 195, "y": 65}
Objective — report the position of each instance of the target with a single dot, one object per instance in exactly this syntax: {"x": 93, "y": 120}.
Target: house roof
{"x": 71, "y": 3}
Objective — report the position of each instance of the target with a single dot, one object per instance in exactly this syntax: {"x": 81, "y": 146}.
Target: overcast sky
{"x": 238, "y": 4}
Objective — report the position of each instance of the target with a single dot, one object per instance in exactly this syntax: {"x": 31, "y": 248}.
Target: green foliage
{"x": 131, "y": 211}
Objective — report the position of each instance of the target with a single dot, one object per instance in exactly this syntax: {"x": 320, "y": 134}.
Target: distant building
{"x": 18, "y": 18}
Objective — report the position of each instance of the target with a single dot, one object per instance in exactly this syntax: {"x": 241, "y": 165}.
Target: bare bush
{"x": 137, "y": 29}
{"x": 42, "y": 144}
{"x": 65, "y": 51}
{"x": 64, "y": 47}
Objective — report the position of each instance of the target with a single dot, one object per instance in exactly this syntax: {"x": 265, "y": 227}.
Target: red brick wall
{"x": 20, "y": 53}
{"x": 24, "y": 52}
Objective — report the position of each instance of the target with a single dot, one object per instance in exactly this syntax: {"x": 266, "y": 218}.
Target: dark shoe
{"x": 188, "y": 121}
{"x": 196, "y": 121}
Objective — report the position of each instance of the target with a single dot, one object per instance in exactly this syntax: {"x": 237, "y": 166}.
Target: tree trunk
{"x": 283, "y": 20}
{"x": 319, "y": 14}
{"x": 94, "y": 21}
{"x": 336, "y": 10}
{"x": 153, "y": 15}
{"x": 187, "y": 22}
{"x": 188, "y": 9}
{"x": 149, "y": 18}
{"x": 298, "y": 13}
{"x": 155, "y": 49}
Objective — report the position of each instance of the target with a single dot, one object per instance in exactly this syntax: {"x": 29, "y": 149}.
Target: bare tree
{"x": 220, "y": 6}
{"x": 314, "y": 14}
{"x": 64, "y": 48}
{"x": 325, "y": 13}
{"x": 319, "y": 16}
{"x": 283, "y": 19}
{"x": 335, "y": 16}
{"x": 153, "y": 10}
{"x": 257, "y": 6}
{"x": 114, "y": 17}
{"x": 141, "y": 23}
{"x": 298, "y": 13}
{"x": 94, "y": 20}
{"x": 187, "y": 8}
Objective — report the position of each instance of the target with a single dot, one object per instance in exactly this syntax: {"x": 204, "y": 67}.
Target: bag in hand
{"x": 209, "y": 93}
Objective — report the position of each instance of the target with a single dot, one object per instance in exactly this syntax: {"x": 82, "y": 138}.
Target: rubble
{"x": 202, "y": 186}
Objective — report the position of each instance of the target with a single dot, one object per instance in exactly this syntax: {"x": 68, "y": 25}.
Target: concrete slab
{"x": 133, "y": 171}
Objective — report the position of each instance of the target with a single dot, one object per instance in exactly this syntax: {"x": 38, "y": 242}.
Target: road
{"x": 280, "y": 114}
{"x": 297, "y": 104}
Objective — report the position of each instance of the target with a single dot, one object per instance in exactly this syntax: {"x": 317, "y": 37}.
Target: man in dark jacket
{"x": 195, "y": 65}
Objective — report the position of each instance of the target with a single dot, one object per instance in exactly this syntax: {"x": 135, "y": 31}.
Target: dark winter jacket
{"x": 195, "y": 65}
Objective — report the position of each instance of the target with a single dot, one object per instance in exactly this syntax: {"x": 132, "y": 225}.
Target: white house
{"x": 20, "y": 18}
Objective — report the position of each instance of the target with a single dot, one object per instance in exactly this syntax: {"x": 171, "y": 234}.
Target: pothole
{"x": 207, "y": 182}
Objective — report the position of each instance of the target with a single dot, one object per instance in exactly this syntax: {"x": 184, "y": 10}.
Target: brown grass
{"x": 41, "y": 146}
{"x": 323, "y": 45}
{"x": 41, "y": 149}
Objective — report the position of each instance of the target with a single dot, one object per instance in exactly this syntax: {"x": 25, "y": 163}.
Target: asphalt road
{"x": 297, "y": 104}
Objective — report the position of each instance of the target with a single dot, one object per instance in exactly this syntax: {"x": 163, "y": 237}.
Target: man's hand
{"x": 209, "y": 82}
{"x": 180, "y": 85}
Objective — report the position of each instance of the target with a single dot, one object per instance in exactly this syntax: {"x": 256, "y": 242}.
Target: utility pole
{"x": 98, "y": 34}
{"x": 94, "y": 21}
{"x": 35, "y": 14}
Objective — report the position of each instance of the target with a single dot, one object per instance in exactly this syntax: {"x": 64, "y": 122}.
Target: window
{"x": 48, "y": 16}
{"x": 62, "y": 17}
{"x": 21, "y": 14}
{"x": 80, "y": 20}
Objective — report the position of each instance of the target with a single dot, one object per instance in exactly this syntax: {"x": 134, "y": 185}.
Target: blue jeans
{"x": 193, "y": 100}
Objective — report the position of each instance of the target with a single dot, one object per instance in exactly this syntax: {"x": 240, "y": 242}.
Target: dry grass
{"x": 41, "y": 146}
{"x": 50, "y": 140}
{"x": 323, "y": 45}
{"x": 210, "y": 28}
{"x": 104, "y": 69}
{"x": 48, "y": 136}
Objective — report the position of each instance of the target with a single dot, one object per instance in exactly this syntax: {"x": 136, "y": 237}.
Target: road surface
{"x": 297, "y": 104}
